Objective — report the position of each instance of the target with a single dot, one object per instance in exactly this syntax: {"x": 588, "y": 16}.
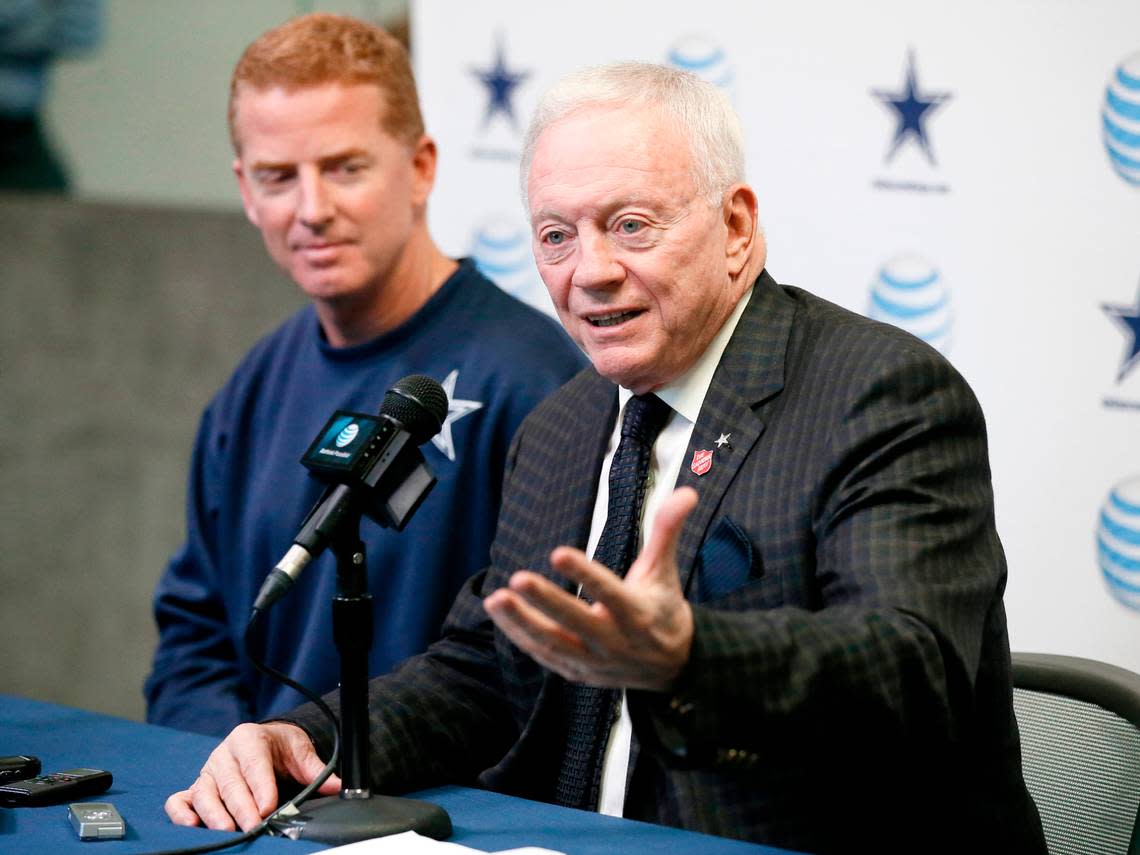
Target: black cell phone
{"x": 55, "y": 788}
{"x": 17, "y": 767}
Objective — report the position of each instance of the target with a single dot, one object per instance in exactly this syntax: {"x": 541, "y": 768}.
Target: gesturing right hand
{"x": 239, "y": 781}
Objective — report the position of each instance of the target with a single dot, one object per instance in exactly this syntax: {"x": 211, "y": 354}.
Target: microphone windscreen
{"x": 418, "y": 403}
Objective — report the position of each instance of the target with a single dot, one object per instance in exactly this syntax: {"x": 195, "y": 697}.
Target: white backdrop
{"x": 1002, "y": 222}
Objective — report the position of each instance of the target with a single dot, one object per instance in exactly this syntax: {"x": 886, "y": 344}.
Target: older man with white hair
{"x": 810, "y": 649}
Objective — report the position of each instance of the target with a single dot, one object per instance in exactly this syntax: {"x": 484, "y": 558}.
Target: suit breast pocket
{"x": 727, "y": 562}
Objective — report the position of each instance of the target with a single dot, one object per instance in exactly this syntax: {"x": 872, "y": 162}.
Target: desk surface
{"x": 149, "y": 763}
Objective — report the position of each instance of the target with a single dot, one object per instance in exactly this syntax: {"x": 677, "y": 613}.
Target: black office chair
{"x": 1080, "y": 751}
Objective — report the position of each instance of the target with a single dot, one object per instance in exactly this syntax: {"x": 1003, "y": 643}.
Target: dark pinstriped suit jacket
{"x": 849, "y": 683}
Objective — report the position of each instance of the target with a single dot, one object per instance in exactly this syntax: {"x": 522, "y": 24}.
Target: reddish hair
{"x": 321, "y": 48}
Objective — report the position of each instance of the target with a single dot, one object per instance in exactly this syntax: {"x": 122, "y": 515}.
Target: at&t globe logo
{"x": 501, "y": 250}
{"x": 909, "y": 293}
{"x": 704, "y": 59}
{"x": 1121, "y": 119}
{"x": 347, "y": 435}
{"x": 1118, "y": 542}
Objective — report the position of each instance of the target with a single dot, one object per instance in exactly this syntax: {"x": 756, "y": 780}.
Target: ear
{"x": 424, "y": 158}
{"x": 743, "y": 239}
{"x": 246, "y": 193}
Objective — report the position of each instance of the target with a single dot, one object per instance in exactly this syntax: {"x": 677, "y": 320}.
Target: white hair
{"x": 701, "y": 112}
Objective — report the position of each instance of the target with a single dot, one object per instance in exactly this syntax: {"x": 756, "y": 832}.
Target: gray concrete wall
{"x": 142, "y": 117}
{"x": 117, "y": 324}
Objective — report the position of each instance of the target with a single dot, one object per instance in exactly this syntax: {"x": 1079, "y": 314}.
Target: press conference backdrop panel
{"x": 969, "y": 172}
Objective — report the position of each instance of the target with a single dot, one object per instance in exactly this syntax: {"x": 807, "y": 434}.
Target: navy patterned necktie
{"x": 590, "y": 710}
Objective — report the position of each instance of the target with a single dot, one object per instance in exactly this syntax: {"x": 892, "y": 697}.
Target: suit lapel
{"x": 750, "y": 372}
{"x": 587, "y": 419}
{"x": 580, "y": 428}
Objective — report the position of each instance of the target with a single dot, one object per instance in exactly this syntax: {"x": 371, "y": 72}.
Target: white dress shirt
{"x": 685, "y": 395}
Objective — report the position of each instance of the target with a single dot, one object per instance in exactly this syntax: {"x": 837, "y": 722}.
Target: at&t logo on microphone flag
{"x": 340, "y": 432}
{"x": 344, "y": 438}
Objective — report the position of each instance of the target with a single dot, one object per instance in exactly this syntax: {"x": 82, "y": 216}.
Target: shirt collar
{"x": 687, "y": 393}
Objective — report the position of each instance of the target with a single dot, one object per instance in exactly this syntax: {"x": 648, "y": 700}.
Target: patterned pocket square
{"x": 725, "y": 562}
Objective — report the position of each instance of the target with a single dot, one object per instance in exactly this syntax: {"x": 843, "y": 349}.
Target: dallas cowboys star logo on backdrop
{"x": 1128, "y": 319}
{"x": 501, "y": 83}
{"x": 912, "y": 108}
{"x": 457, "y": 408}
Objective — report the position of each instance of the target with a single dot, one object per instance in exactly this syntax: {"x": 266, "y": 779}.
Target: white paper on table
{"x": 410, "y": 843}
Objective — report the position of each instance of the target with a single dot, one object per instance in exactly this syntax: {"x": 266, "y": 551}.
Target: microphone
{"x": 373, "y": 466}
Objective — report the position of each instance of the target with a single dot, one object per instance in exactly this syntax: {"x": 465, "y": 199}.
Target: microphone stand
{"x": 357, "y": 813}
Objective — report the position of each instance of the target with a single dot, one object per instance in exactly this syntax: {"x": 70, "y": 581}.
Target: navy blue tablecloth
{"x": 149, "y": 763}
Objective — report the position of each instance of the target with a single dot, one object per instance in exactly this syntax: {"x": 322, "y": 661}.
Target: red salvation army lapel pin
{"x": 702, "y": 461}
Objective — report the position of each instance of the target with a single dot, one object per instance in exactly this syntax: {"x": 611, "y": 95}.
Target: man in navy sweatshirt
{"x": 335, "y": 170}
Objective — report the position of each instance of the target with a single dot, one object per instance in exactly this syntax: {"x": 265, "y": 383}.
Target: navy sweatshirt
{"x": 248, "y": 495}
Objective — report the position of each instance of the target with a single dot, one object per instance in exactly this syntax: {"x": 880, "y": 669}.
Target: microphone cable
{"x": 417, "y": 404}
{"x": 297, "y": 800}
